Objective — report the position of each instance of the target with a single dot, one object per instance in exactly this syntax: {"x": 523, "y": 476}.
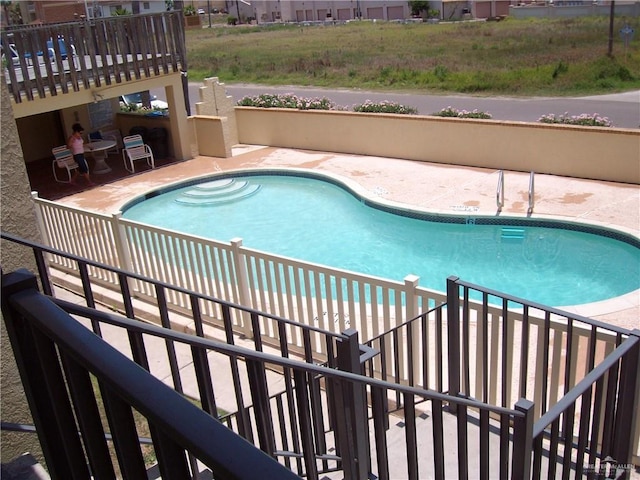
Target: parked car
{"x": 134, "y": 100}
{"x": 201, "y": 11}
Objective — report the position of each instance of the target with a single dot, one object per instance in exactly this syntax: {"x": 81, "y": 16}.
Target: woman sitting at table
{"x": 76, "y": 145}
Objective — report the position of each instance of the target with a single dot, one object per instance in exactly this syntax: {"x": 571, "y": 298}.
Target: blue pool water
{"x": 318, "y": 221}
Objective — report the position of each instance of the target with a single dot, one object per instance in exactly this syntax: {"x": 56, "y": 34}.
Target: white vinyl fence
{"x": 328, "y": 298}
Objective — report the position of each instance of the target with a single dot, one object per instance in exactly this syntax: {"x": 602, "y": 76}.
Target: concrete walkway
{"x": 410, "y": 184}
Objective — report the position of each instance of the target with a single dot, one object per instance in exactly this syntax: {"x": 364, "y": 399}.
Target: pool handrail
{"x": 531, "y": 192}
{"x": 500, "y": 190}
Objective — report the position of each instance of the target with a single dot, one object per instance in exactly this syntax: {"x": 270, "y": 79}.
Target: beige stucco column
{"x": 18, "y": 217}
{"x": 215, "y": 102}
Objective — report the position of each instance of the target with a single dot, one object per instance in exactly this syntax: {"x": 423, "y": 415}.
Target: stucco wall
{"x": 215, "y": 102}
{"x": 584, "y": 152}
{"x": 18, "y": 217}
{"x": 211, "y": 133}
{"x": 50, "y": 135}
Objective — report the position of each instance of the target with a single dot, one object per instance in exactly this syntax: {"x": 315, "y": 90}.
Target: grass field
{"x": 515, "y": 57}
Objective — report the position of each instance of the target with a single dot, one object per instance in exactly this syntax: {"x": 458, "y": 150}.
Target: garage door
{"x": 395, "y": 13}
{"x": 375, "y": 13}
{"x": 502, "y": 8}
{"x": 483, "y": 9}
{"x": 344, "y": 14}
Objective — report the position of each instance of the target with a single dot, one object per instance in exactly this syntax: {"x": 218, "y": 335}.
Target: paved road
{"x": 622, "y": 109}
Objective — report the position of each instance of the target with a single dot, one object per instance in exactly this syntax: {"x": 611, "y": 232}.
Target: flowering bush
{"x": 384, "y": 107}
{"x": 453, "y": 112}
{"x": 585, "y": 119}
{"x": 289, "y": 100}
{"x": 267, "y": 100}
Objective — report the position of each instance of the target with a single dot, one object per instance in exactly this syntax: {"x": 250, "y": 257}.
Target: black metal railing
{"x": 413, "y": 335}
{"x": 56, "y": 58}
{"x": 347, "y": 448}
{"x": 581, "y": 373}
{"x": 499, "y": 348}
{"x": 579, "y": 365}
{"x": 55, "y": 353}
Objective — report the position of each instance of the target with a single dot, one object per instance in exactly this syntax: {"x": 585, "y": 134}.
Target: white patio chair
{"x": 63, "y": 158}
{"x": 136, "y": 149}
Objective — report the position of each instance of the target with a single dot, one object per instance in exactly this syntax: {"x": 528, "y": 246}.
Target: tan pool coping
{"x": 437, "y": 188}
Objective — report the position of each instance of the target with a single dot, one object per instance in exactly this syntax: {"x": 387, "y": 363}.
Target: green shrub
{"x": 440, "y": 72}
{"x": 560, "y": 68}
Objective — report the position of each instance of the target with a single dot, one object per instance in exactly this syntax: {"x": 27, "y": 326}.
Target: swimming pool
{"x": 318, "y": 219}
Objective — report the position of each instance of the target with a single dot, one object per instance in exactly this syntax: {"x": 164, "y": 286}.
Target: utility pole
{"x": 611, "y": 15}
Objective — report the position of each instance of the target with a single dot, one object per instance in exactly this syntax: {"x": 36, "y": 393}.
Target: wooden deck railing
{"x": 57, "y": 58}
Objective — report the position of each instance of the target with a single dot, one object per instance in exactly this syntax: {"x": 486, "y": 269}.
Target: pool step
{"x": 215, "y": 184}
{"x": 217, "y": 192}
{"x": 511, "y": 233}
{"x": 208, "y": 190}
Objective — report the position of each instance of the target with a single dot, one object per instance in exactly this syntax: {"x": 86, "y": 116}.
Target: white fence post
{"x": 411, "y": 300}
{"x": 122, "y": 245}
{"x": 122, "y": 248}
{"x": 411, "y": 312}
{"x": 38, "y": 209}
{"x": 240, "y": 265}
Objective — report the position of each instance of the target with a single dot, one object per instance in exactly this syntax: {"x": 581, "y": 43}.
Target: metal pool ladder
{"x": 500, "y": 190}
{"x": 531, "y": 192}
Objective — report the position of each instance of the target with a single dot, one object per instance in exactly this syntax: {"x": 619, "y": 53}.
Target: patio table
{"x": 98, "y": 150}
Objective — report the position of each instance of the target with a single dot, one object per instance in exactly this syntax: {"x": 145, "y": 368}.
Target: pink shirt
{"x": 76, "y": 145}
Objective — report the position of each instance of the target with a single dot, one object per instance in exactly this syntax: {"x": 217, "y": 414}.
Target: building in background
{"x": 300, "y": 11}
{"x": 42, "y": 11}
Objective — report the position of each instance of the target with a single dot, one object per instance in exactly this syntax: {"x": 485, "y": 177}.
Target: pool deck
{"x": 437, "y": 188}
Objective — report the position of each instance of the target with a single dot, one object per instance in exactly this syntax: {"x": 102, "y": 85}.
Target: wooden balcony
{"x": 52, "y": 59}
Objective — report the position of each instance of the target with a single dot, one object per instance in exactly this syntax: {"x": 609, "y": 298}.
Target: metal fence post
{"x": 351, "y": 410}
{"x": 627, "y": 411}
{"x": 453, "y": 338}
{"x": 29, "y": 362}
{"x": 262, "y": 408}
{"x": 522, "y": 440}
